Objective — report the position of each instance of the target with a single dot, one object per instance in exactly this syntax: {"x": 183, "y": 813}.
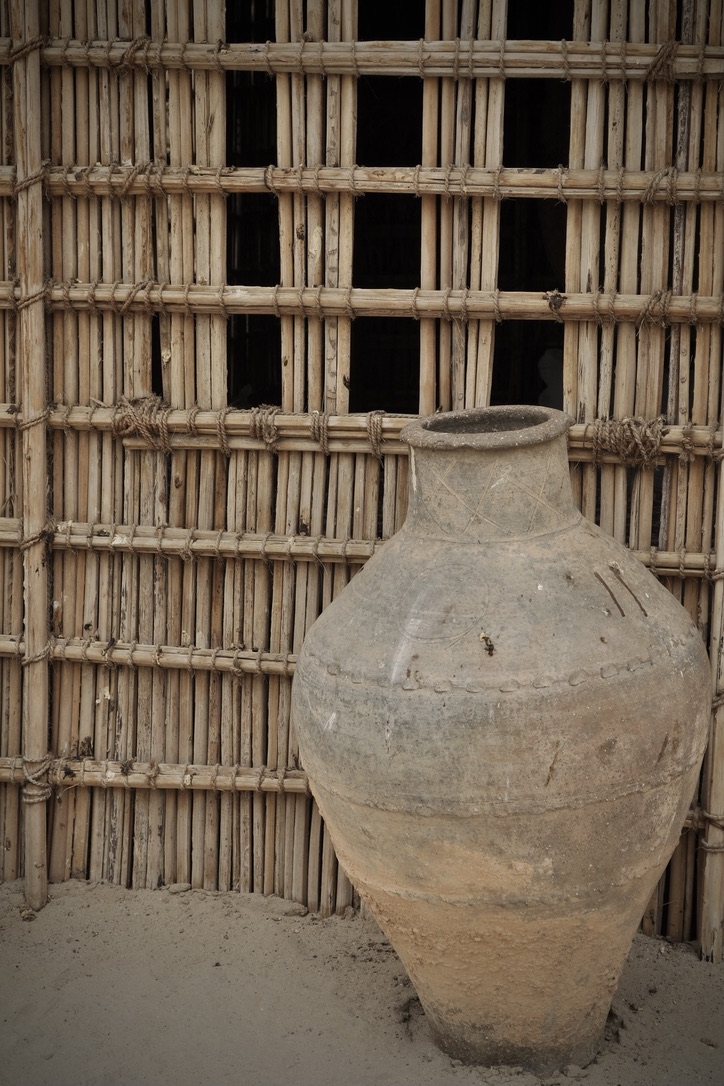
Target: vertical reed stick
{"x": 708, "y": 355}
{"x": 626, "y": 338}
{"x": 158, "y": 805}
{"x": 576, "y": 156}
{"x": 120, "y": 23}
{"x": 66, "y": 679}
{"x": 479, "y": 108}
{"x": 25, "y": 27}
{"x": 446, "y": 151}
{"x": 488, "y": 151}
{"x": 347, "y": 154}
{"x": 706, "y": 383}
{"x": 305, "y": 885}
{"x": 162, "y": 808}
{"x": 589, "y": 276}
{"x": 211, "y": 356}
{"x": 332, "y": 209}
{"x": 257, "y": 620}
{"x": 461, "y": 208}
{"x": 11, "y": 679}
{"x": 235, "y": 749}
{"x": 429, "y": 397}
{"x": 88, "y": 483}
{"x": 203, "y": 493}
{"x": 288, "y": 502}
{"x": 143, "y": 477}
{"x": 180, "y": 389}
{"x": 314, "y": 400}
{"x": 656, "y": 227}
{"x": 111, "y": 721}
{"x": 672, "y": 531}
{"x": 654, "y": 259}
{"x": 100, "y": 477}
{"x": 291, "y": 130}
{"x": 339, "y": 225}
{"x": 711, "y": 907}
{"x": 612, "y": 251}
{"x": 649, "y": 368}
{"x": 305, "y": 578}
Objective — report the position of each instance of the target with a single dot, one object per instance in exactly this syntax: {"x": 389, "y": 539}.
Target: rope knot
{"x": 263, "y": 426}
{"x": 36, "y": 788}
{"x": 635, "y": 441}
{"x": 146, "y": 417}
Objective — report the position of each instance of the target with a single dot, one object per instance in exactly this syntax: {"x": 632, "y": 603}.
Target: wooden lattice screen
{"x": 200, "y": 373}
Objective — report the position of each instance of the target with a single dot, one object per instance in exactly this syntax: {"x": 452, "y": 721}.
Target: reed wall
{"x": 211, "y": 333}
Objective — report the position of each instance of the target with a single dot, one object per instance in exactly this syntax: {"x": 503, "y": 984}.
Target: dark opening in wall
{"x": 528, "y": 359}
{"x": 389, "y": 121}
{"x": 385, "y": 365}
{"x": 528, "y": 363}
{"x": 384, "y": 351}
{"x": 253, "y": 259}
{"x": 542, "y": 22}
{"x": 254, "y": 360}
{"x": 386, "y": 242}
{"x": 403, "y": 20}
{"x": 532, "y": 245}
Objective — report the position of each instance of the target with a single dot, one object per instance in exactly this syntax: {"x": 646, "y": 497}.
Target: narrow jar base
{"x": 472, "y": 1044}
{"x": 527, "y": 986}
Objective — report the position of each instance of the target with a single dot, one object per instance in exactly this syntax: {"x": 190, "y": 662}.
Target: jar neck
{"x": 475, "y": 495}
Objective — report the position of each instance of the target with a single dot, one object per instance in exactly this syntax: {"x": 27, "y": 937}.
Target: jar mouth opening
{"x": 506, "y": 426}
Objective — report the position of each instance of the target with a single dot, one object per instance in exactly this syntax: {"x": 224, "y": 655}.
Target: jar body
{"x": 503, "y": 717}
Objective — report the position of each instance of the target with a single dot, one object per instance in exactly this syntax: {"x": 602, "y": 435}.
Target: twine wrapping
{"x": 36, "y": 788}
{"x": 662, "y": 66}
{"x": 635, "y": 441}
{"x": 263, "y": 426}
{"x": 319, "y": 425}
{"x": 146, "y": 417}
{"x": 374, "y": 432}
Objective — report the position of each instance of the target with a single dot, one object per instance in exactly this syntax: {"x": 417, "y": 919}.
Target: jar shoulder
{"x": 522, "y": 611}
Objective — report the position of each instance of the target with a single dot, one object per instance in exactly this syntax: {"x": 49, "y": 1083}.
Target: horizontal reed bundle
{"x": 602, "y": 61}
{"x": 150, "y": 423}
{"x": 658, "y": 307}
{"x": 65, "y": 773}
{"x": 71, "y": 773}
{"x": 191, "y": 543}
{"x": 191, "y": 658}
{"x": 188, "y": 544}
{"x": 668, "y": 185}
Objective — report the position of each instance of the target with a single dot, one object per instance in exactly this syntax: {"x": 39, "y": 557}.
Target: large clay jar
{"x": 502, "y": 717}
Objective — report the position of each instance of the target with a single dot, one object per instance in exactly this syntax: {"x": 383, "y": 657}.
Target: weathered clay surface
{"x": 503, "y": 717}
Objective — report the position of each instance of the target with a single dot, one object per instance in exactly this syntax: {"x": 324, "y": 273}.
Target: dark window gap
{"x": 380, "y": 20}
{"x": 253, "y": 255}
{"x": 532, "y": 245}
{"x": 156, "y": 363}
{"x": 385, "y": 365}
{"x": 545, "y": 22}
{"x": 528, "y": 363}
{"x": 251, "y": 21}
{"x": 389, "y": 121}
{"x": 387, "y": 242}
{"x": 254, "y": 343}
{"x": 536, "y": 128}
{"x": 251, "y": 119}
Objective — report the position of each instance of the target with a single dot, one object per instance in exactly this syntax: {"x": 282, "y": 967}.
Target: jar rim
{"x": 507, "y": 426}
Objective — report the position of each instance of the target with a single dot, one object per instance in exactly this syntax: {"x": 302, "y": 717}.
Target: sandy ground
{"x": 163, "y": 988}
